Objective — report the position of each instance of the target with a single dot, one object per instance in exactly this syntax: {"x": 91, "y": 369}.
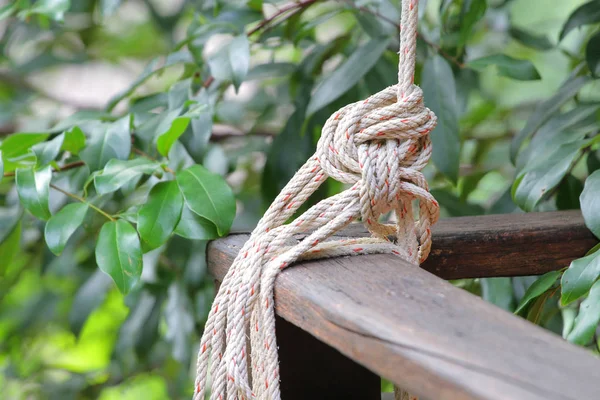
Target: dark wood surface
{"x": 507, "y": 245}
{"x": 424, "y": 334}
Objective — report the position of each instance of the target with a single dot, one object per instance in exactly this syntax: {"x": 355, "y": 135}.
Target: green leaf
{"x": 439, "y": 90}
{"x": 53, "y": 9}
{"x": 545, "y": 110}
{"x": 454, "y": 206}
{"x": 79, "y": 118}
{"x": 567, "y": 196}
{"x": 180, "y": 321}
{"x": 593, "y": 161}
{"x": 138, "y": 324}
{"x": 348, "y": 74}
{"x": 538, "y": 42}
{"x": 207, "y": 195}
{"x": 169, "y": 130}
{"x": 579, "y": 277}
{"x": 568, "y": 315}
{"x": 197, "y": 136}
{"x": 537, "y": 308}
{"x": 588, "y": 318}
{"x": 540, "y": 286}
{"x": 558, "y": 130}
{"x": 46, "y": 152}
{"x": 589, "y": 13}
{"x": 18, "y": 145}
{"x": 232, "y": 62}
{"x": 369, "y": 23}
{"x": 9, "y": 246}
{"x": 1, "y": 167}
{"x": 510, "y": 67}
{"x": 10, "y": 235}
{"x": 149, "y": 332}
{"x": 593, "y": 249}
{"x": 535, "y": 184}
{"x": 193, "y": 226}
{"x": 271, "y": 70}
{"x": 7, "y": 11}
{"x": 33, "y": 188}
{"x": 239, "y": 56}
{"x": 160, "y": 215}
{"x": 179, "y": 94}
{"x": 472, "y": 11}
{"x": 255, "y": 5}
{"x": 27, "y": 160}
{"x": 74, "y": 140}
{"x": 89, "y": 296}
{"x": 9, "y": 217}
{"x": 504, "y": 204}
{"x": 63, "y": 224}
{"x": 173, "y": 124}
{"x": 119, "y": 254}
{"x": 108, "y": 7}
{"x": 108, "y": 142}
{"x": 469, "y": 183}
{"x": 590, "y": 203}
{"x": 118, "y": 173}
{"x": 592, "y": 54}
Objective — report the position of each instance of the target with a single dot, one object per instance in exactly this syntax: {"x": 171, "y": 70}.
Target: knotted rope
{"x": 378, "y": 146}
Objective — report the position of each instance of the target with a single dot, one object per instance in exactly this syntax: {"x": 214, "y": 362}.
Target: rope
{"x": 378, "y": 146}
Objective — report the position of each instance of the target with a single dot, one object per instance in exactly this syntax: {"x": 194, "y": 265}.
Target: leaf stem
{"x": 144, "y": 154}
{"x": 168, "y": 169}
{"x": 81, "y": 199}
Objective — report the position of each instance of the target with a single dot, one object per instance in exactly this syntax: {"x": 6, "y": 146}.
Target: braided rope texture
{"x": 378, "y": 147}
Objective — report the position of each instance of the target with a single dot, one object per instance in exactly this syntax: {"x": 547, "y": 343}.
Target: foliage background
{"x": 135, "y": 129}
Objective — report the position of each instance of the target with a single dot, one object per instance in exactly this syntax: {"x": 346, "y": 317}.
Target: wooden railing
{"x": 344, "y": 322}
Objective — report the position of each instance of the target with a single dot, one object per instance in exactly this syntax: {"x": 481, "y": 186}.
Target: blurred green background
{"x": 109, "y": 107}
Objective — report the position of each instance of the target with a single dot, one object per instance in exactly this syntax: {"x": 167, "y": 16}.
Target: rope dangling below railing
{"x": 378, "y": 146}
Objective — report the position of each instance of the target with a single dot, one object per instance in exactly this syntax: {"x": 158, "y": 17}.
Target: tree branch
{"x": 295, "y": 7}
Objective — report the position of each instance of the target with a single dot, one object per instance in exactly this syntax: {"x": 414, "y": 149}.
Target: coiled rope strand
{"x": 378, "y": 146}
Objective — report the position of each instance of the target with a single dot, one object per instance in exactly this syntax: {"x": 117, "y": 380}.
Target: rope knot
{"x": 381, "y": 144}
{"x": 369, "y": 124}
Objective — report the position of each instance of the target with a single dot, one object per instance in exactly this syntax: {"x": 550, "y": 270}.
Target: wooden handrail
{"x": 430, "y": 337}
{"x": 507, "y": 245}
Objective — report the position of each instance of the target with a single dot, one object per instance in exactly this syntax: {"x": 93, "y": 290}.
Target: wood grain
{"x": 508, "y": 245}
{"x": 429, "y": 337}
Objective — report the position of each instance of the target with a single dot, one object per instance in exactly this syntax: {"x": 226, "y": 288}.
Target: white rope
{"x": 378, "y": 146}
